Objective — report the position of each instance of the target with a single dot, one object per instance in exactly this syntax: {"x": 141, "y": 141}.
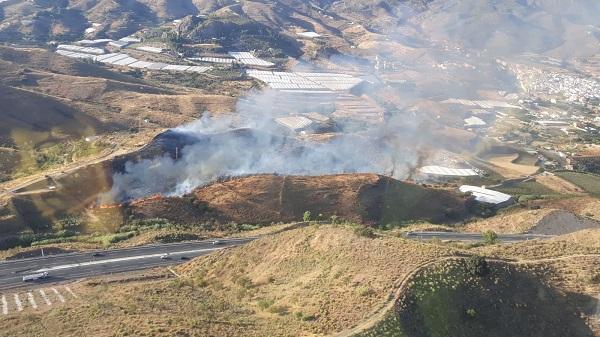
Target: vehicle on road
{"x": 35, "y": 277}
{"x": 97, "y": 254}
{"x": 217, "y": 242}
{"x": 165, "y": 257}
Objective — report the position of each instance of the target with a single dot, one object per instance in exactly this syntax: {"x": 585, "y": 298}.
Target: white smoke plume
{"x": 250, "y": 142}
{"x": 448, "y": 51}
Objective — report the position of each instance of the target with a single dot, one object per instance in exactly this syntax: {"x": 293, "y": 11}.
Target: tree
{"x": 306, "y": 216}
{"x": 490, "y": 237}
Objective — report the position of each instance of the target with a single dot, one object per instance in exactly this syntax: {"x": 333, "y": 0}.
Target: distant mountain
{"x": 560, "y": 28}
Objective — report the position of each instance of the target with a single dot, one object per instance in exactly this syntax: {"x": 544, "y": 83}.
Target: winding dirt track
{"x": 379, "y": 313}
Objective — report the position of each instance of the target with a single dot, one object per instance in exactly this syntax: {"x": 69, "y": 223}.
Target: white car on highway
{"x": 35, "y": 277}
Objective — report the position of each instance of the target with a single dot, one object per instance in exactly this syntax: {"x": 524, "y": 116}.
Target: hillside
{"x": 323, "y": 280}
{"x": 547, "y": 221}
{"x": 36, "y": 119}
{"x": 55, "y": 102}
{"x": 300, "y": 282}
{"x": 262, "y": 199}
{"x": 226, "y": 29}
{"x": 364, "y": 198}
{"x": 458, "y": 299}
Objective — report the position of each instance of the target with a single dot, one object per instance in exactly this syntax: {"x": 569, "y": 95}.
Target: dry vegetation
{"x": 507, "y": 166}
{"x": 582, "y": 242}
{"x": 320, "y": 279}
{"x": 55, "y": 100}
{"x": 519, "y": 221}
{"x": 304, "y": 281}
{"x": 363, "y": 198}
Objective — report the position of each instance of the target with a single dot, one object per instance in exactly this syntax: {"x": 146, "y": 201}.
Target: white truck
{"x": 35, "y": 277}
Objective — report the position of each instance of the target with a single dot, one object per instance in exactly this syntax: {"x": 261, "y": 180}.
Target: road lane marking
{"x": 4, "y": 306}
{"x": 45, "y": 297}
{"x": 122, "y": 259}
{"x": 71, "y": 292}
{"x": 18, "y": 303}
{"x": 31, "y": 300}
{"x": 60, "y": 297}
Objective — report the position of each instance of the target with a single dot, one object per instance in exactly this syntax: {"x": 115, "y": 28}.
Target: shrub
{"x": 366, "y": 232}
{"x": 278, "y": 309}
{"x": 120, "y": 237}
{"x": 66, "y": 223}
{"x": 265, "y": 303}
{"x": 364, "y": 291}
{"x": 308, "y": 318}
{"x": 595, "y": 278}
{"x": 306, "y": 216}
{"x": 490, "y": 237}
{"x": 477, "y": 266}
{"x": 4, "y": 177}
{"x": 244, "y": 282}
{"x": 523, "y": 199}
{"x": 200, "y": 281}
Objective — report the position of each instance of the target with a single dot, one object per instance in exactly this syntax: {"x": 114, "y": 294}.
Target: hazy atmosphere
{"x": 347, "y": 168}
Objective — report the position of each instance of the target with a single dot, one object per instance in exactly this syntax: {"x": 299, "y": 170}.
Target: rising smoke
{"x": 448, "y": 51}
{"x": 250, "y": 142}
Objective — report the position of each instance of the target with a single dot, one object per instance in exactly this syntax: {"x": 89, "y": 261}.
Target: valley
{"x": 371, "y": 168}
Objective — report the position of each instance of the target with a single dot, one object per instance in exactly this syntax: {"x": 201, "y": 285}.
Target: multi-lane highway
{"x": 454, "y": 236}
{"x": 78, "y": 265}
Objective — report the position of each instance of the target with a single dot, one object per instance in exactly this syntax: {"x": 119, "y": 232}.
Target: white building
{"x": 474, "y": 122}
{"x": 486, "y": 196}
{"x": 149, "y": 49}
{"x": 447, "y": 171}
{"x": 294, "y": 123}
{"x": 310, "y": 35}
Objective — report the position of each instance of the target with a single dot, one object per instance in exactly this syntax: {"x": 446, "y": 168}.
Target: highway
{"x": 454, "y": 236}
{"x": 73, "y": 266}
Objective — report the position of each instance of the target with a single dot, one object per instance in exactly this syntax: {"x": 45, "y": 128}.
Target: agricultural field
{"x": 299, "y": 168}
{"x": 589, "y": 182}
{"x": 527, "y": 188}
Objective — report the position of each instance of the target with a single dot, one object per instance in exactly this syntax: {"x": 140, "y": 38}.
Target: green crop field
{"x": 525, "y": 188}
{"x": 587, "y": 181}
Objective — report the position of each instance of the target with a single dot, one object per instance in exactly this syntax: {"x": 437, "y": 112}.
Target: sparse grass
{"x": 135, "y": 233}
{"x": 314, "y": 280}
{"x": 36, "y": 160}
{"x": 105, "y": 240}
{"x": 364, "y": 231}
{"x": 587, "y": 181}
{"x": 448, "y": 299}
{"x": 264, "y": 304}
{"x": 526, "y": 188}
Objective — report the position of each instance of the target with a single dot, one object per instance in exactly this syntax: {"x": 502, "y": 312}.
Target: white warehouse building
{"x": 485, "y": 196}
